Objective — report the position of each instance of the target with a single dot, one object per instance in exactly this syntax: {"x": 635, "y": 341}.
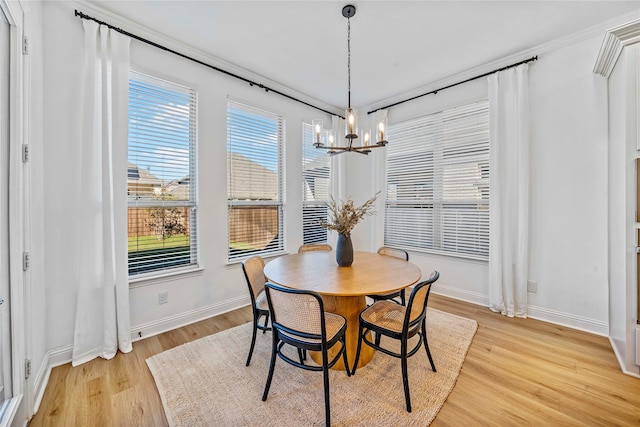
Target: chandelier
{"x": 326, "y": 140}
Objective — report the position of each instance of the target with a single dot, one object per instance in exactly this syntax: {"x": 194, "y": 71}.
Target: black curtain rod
{"x": 433, "y": 92}
{"x": 230, "y": 74}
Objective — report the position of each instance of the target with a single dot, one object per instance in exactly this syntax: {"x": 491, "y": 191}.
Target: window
{"x": 438, "y": 183}
{"x": 161, "y": 175}
{"x": 316, "y": 167}
{"x": 254, "y": 181}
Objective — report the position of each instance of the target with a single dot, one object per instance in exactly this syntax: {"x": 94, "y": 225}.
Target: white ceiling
{"x": 396, "y": 46}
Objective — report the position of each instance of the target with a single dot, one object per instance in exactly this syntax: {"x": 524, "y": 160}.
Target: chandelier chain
{"x": 349, "y": 60}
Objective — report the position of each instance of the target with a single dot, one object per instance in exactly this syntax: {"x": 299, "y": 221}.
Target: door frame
{"x": 17, "y": 407}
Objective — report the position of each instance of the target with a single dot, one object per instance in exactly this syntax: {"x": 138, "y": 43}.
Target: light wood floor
{"x": 517, "y": 372}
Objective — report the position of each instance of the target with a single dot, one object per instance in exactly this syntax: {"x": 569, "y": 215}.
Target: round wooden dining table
{"x": 344, "y": 289}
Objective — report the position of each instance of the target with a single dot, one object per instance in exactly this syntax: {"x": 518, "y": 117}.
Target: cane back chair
{"x": 253, "y": 269}
{"x": 400, "y": 323}
{"x": 397, "y": 253}
{"x": 299, "y": 320}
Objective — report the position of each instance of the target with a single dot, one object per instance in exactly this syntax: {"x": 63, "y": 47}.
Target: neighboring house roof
{"x": 141, "y": 176}
{"x": 252, "y": 181}
{"x": 178, "y": 189}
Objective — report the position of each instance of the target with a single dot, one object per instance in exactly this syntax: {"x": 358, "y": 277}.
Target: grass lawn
{"x": 149, "y": 243}
{"x": 146, "y": 243}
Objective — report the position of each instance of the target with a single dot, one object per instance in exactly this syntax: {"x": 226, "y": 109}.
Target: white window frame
{"x": 316, "y": 167}
{"x": 187, "y": 260}
{"x": 437, "y": 185}
{"x": 250, "y": 183}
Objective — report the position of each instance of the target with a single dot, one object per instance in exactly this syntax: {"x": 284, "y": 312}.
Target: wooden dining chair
{"x": 314, "y": 247}
{"x": 400, "y": 254}
{"x": 253, "y": 269}
{"x": 400, "y": 323}
{"x": 299, "y": 320}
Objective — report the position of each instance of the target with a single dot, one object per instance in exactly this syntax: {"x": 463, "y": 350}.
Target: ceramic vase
{"x": 344, "y": 250}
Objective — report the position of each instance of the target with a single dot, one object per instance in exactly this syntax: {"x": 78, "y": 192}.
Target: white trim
{"x": 170, "y": 323}
{"x": 141, "y": 280}
{"x": 18, "y": 213}
{"x": 620, "y": 358}
{"x": 596, "y": 327}
{"x": 58, "y": 357}
{"x": 614, "y": 41}
{"x": 62, "y": 355}
{"x": 585, "y": 324}
{"x": 10, "y": 410}
{"x": 462, "y": 295}
{"x": 41, "y": 380}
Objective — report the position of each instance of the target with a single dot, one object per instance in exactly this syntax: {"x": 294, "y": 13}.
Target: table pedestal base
{"x": 349, "y": 308}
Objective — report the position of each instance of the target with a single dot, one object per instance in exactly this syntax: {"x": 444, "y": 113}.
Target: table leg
{"x": 349, "y": 308}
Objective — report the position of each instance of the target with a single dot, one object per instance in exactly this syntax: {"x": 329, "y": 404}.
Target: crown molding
{"x": 147, "y": 33}
{"x": 538, "y": 50}
{"x": 614, "y": 41}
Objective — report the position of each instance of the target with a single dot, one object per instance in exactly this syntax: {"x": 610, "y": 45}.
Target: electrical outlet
{"x": 532, "y": 286}
{"x": 163, "y": 297}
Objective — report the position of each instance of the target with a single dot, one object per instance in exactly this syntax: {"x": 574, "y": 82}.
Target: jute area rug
{"x": 206, "y": 382}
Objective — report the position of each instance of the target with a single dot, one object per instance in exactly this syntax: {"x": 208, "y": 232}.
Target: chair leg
{"x": 405, "y": 376}
{"x": 253, "y": 338}
{"x": 344, "y": 356}
{"x": 325, "y": 374}
{"x": 378, "y": 336}
{"x": 266, "y": 323}
{"x": 426, "y": 345}
{"x": 272, "y": 365}
{"x": 301, "y": 355}
{"x": 403, "y": 297}
{"x": 355, "y": 362}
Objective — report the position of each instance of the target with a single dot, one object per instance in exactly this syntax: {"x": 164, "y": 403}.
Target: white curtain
{"x": 509, "y": 191}
{"x": 102, "y": 314}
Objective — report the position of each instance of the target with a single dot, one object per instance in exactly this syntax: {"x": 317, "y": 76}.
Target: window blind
{"x": 161, "y": 175}
{"x": 316, "y": 169}
{"x": 254, "y": 181}
{"x": 438, "y": 183}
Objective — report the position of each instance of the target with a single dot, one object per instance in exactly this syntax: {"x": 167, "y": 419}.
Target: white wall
{"x": 218, "y": 287}
{"x": 568, "y": 188}
{"x": 568, "y": 205}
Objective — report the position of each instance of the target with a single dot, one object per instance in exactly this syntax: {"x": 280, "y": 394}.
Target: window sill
{"x": 265, "y": 257}
{"x": 151, "y": 279}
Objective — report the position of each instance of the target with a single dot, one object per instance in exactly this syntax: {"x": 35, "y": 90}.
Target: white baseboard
{"x": 41, "y": 380}
{"x": 461, "y": 294}
{"x": 60, "y": 356}
{"x": 572, "y": 321}
{"x": 596, "y": 327}
{"x": 166, "y": 324}
{"x": 620, "y": 357}
{"x": 63, "y": 355}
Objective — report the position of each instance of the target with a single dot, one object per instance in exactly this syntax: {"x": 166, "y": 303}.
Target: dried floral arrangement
{"x": 345, "y": 215}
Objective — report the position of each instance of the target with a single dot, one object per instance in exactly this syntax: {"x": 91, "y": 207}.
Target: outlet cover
{"x": 532, "y": 286}
{"x": 163, "y": 297}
